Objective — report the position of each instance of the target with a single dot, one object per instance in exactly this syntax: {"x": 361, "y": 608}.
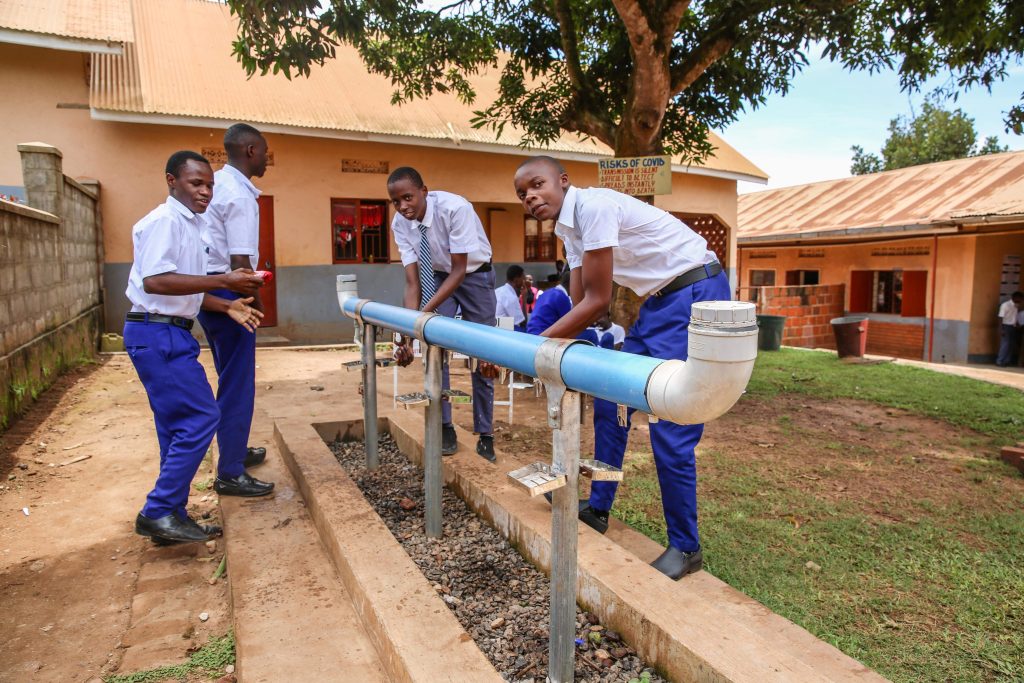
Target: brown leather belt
{"x": 689, "y": 277}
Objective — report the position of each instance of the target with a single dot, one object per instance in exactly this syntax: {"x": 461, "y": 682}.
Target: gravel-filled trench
{"x": 498, "y": 597}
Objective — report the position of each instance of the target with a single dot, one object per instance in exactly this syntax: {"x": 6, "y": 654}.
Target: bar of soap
{"x": 266, "y": 275}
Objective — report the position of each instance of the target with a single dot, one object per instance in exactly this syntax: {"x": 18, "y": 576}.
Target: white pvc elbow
{"x": 721, "y": 353}
{"x": 348, "y": 288}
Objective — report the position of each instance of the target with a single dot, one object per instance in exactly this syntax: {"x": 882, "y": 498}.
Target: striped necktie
{"x": 426, "y": 268}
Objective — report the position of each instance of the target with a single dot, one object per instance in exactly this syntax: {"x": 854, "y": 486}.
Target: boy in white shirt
{"x": 1009, "y": 329}
{"x": 611, "y": 236}
{"x": 167, "y": 287}
{"x": 447, "y": 259}
{"x": 507, "y": 297}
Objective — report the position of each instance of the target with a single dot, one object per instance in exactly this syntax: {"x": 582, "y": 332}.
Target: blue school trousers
{"x": 184, "y": 410}
{"x": 661, "y": 331}
{"x": 234, "y": 355}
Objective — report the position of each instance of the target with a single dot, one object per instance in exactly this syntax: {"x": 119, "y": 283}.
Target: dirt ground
{"x": 83, "y": 596}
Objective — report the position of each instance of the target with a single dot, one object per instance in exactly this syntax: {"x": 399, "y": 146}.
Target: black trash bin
{"x": 769, "y": 331}
{"x": 851, "y": 335}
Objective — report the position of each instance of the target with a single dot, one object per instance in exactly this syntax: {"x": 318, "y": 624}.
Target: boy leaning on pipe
{"x": 610, "y": 236}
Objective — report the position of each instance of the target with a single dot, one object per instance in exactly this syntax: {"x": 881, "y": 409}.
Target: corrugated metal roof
{"x": 181, "y": 66}
{"x": 919, "y": 197}
{"x": 108, "y": 20}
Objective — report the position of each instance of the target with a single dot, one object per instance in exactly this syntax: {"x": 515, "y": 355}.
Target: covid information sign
{"x": 638, "y": 176}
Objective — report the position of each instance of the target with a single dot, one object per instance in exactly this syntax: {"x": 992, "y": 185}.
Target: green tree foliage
{"x": 935, "y": 134}
{"x": 642, "y": 76}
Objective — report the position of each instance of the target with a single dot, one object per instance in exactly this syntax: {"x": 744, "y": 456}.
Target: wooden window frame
{"x": 358, "y": 230}
{"x": 867, "y": 301}
{"x": 539, "y": 256}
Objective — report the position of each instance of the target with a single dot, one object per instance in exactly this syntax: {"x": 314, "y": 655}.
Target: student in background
{"x": 1009, "y": 329}
{"x": 507, "y": 297}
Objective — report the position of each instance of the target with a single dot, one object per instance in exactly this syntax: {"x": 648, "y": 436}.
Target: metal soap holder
{"x": 522, "y": 385}
{"x": 456, "y": 396}
{"x": 413, "y": 399}
{"x": 385, "y": 361}
{"x": 380, "y": 361}
{"x": 537, "y": 478}
{"x": 598, "y": 471}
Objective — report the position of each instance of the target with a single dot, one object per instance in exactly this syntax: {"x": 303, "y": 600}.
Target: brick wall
{"x": 904, "y": 340}
{"x": 50, "y": 279}
{"x": 808, "y": 310}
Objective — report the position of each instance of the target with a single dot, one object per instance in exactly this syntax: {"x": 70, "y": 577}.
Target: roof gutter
{"x": 447, "y": 142}
{"x": 66, "y": 43}
{"x": 852, "y": 234}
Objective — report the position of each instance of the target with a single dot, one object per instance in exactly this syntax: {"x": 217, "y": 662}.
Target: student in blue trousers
{"x": 167, "y": 286}
{"x": 609, "y": 236}
{"x": 232, "y": 239}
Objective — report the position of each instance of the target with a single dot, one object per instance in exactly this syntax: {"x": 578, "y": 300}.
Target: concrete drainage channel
{"x": 698, "y": 629}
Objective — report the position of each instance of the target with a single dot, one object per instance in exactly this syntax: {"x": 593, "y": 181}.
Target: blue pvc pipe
{"x": 612, "y": 375}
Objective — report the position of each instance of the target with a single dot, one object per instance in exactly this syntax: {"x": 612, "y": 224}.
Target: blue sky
{"x": 806, "y": 135}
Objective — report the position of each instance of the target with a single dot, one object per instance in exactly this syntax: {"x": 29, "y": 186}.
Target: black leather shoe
{"x": 255, "y": 456}
{"x": 675, "y": 564}
{"x": 449, "y": 441}
{"x": 485, "y": 448}
{"x": 592, "y": 517}
{"x": 211, "y": 530}
{"x": 242, "y": 485}
{"x": 169, "y": 529}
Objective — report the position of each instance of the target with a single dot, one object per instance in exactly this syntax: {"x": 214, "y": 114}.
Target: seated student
{"x": 612, "y": 237}
{"x": 604, "y": 324}
{"x": 167, "y": 287}
{"x": 507, "y": 297}
{"x": 447, "y": 260}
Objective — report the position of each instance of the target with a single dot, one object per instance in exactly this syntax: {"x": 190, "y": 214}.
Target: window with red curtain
{"x": 899, "y": 292}
{"x": 359, "y": 231}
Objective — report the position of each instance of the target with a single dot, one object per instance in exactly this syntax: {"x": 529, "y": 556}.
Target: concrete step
{"x": 293, "y": 618}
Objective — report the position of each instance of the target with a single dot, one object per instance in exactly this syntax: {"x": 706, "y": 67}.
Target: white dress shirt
{"x": 618, "y": 334}
{"x": 1008, "y": 312}
{"x": 233, "y": 220}
{"x": 167, "y": 240}
{"x": 508, "y": 304}
{"x": 650, "y": 246}
{"x": 452, "y": 228}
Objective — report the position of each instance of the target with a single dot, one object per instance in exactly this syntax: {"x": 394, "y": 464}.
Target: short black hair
{"x": 513, "y": 272}
{"x": 406, "y": 173}
{"x": 549, "y": 160}
{"x": 1017, "y": 295}
{"x": 238, "y": 136}
{"x": 178, "y": 160}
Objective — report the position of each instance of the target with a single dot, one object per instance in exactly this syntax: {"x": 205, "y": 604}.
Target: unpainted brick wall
{"x": 50, "y": 278}
{"x": 896, "y": 339}
{"x": 809, "y": 310}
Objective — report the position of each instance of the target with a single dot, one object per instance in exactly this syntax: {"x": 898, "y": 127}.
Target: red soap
{"x": 266, "y": 275}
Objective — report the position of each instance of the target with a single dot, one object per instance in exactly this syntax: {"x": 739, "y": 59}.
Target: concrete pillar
{"x": 42, "y": 170}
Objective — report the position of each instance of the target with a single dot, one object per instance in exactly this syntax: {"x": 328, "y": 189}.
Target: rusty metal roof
{"x": 923, "y": 198}
{"x": 99, "y": 20}
{"x": 153, "y": 81}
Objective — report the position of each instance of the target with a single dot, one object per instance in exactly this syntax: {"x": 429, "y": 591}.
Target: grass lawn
{"x": 868, "y": 506}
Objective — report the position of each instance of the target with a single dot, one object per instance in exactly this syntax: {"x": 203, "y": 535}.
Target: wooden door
{"x": 267, "y": 260}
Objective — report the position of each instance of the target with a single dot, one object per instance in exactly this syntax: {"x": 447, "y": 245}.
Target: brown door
{"x": 267, "y": 261}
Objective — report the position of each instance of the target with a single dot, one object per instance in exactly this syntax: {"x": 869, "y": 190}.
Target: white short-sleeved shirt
{"x": 232, "y": 220}
{"x": 1008, "y": 312}
{"x": 167, "y": 240}
{"x": 650, "y": 246}
{"x": 452, "y": 228}
{"x": 508, "y": 304}
{"x": 618, "y": 333}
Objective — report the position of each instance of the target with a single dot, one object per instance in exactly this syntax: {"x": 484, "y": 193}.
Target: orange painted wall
{"x": 955, "y": 266}
{"x": 988, "y": 262}
{"x": 128, "y": 159}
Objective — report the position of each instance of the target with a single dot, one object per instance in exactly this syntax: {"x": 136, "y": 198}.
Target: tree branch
{"x": 673, "y": 15}
{"x": 567, "y": 33}
{"x": 711, "y": 49}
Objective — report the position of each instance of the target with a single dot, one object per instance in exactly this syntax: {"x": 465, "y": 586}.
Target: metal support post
{"x": 564, "y": 419}
{"x": 432, "y": 484}
{"x": 370, "y": 395}
{"x": 433, "y": 359}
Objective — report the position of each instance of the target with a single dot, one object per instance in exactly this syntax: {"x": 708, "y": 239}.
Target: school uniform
{"x": 1009, "y": 333}
{"x": 158, "y": 340}
{"x": 651, "y": 249}
{"x": 507, "y": 305}
{"x": 232, "y": 229}
{"x": 451, "y": 226}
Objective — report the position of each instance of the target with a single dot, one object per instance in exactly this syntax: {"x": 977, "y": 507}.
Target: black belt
{"x": 485, "y": 268}
{"x": 689, "y": 277}
{"x": 137, "y": 317}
